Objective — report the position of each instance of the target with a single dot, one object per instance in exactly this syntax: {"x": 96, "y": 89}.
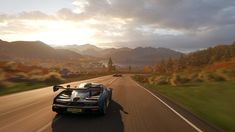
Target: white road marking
{"x": 112, "y": 81}
{"x": 187, "y": 121}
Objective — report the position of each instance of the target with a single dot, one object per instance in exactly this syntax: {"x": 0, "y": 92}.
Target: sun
{"x": 63, "y": 37}
{"x": 61, "y": 32}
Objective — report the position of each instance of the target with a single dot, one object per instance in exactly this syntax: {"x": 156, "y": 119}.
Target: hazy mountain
{"x": 86, "y": 49}
{"x": 39, "y": 51}
{"x": 143, "y": 56}
{"x": 126, "y": 56}
{"x": 34, "y": 50}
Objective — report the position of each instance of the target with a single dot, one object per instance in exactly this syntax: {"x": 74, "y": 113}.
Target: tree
{"x": 110, "y": 65}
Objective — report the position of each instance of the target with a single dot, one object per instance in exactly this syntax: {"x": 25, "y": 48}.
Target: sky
{"x": 183, "y": 25}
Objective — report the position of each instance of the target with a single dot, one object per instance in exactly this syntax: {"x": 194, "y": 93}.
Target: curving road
{"x": 134, "y": 109}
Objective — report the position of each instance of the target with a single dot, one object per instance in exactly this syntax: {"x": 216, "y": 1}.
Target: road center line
{"x": 112, "y": 81}
{"x": 187, "y": 121}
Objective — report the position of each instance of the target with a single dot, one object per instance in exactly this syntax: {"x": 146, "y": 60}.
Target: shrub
{"x": 178, "y": 80}
{"x": 215, "y": 77}
{"x": 141, "y": 78}
{"x": 161, "y": 80}
{"x": 37, "y": 78}
{"x": 203, "y": 76}
{"x": 19, "y": 77}
{"x": 229, "y": 73}
{"x": 53, "y": 78}
{"x": 195, "y": 78}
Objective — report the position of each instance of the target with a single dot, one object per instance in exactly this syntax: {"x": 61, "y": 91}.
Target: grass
{"x": 24, "y": 86}
{"x": 212, "y": 101}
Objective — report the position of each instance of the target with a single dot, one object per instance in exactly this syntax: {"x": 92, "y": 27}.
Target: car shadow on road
{"x": 111, "y": 122}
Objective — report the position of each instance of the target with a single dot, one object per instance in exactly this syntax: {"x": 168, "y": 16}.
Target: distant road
{"x": 133, "y": 110}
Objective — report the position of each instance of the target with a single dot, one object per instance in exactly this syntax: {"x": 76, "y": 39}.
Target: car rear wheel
{"x": 104, "y": 109}
{"x": 110, "y": 98}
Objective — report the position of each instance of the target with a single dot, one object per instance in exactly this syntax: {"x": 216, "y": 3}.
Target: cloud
{"x": 177, "y": 14}
{"x": 35, "y": 15}
{"x": 198, "y": 23}
{"x": 177, "y": 24}
{"x": 68, "y": 14}
{"x": 22, "y": 23}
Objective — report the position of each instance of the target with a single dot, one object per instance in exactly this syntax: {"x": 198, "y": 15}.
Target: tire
{"x": 104, "y": 109}
{"x": 110, "y": 98}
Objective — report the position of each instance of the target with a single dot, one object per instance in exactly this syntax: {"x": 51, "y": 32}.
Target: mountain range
{"x": 39, "y": 51}
{"x": 125, "y": 56}
{"x": 34, "y": 50}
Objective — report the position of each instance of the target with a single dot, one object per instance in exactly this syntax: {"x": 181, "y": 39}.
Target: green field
{"x": 18, "y": 87}
{"x": 212, "y": 101}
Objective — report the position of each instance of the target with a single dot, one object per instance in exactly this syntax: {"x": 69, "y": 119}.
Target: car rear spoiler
{"x": 57, "y": 87}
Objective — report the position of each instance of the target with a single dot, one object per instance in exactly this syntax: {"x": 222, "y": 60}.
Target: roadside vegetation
{"x": 202, "y": 82}
{"x": 17, "y": 77}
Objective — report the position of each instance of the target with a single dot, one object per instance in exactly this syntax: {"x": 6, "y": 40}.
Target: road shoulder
{"x": 191, "y": 117}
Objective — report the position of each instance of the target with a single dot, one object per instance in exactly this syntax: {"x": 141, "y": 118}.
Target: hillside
{"x": 34, "y": 50}
{"x": 143, "y": 56}
{"x": 198, "y": 59}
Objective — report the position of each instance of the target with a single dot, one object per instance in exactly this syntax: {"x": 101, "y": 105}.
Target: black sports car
{"x": 117, "y": 75}
{"x": 87, "y": 97}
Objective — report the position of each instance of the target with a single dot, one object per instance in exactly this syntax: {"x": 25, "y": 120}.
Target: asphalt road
{"x": 133, "y": 109}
